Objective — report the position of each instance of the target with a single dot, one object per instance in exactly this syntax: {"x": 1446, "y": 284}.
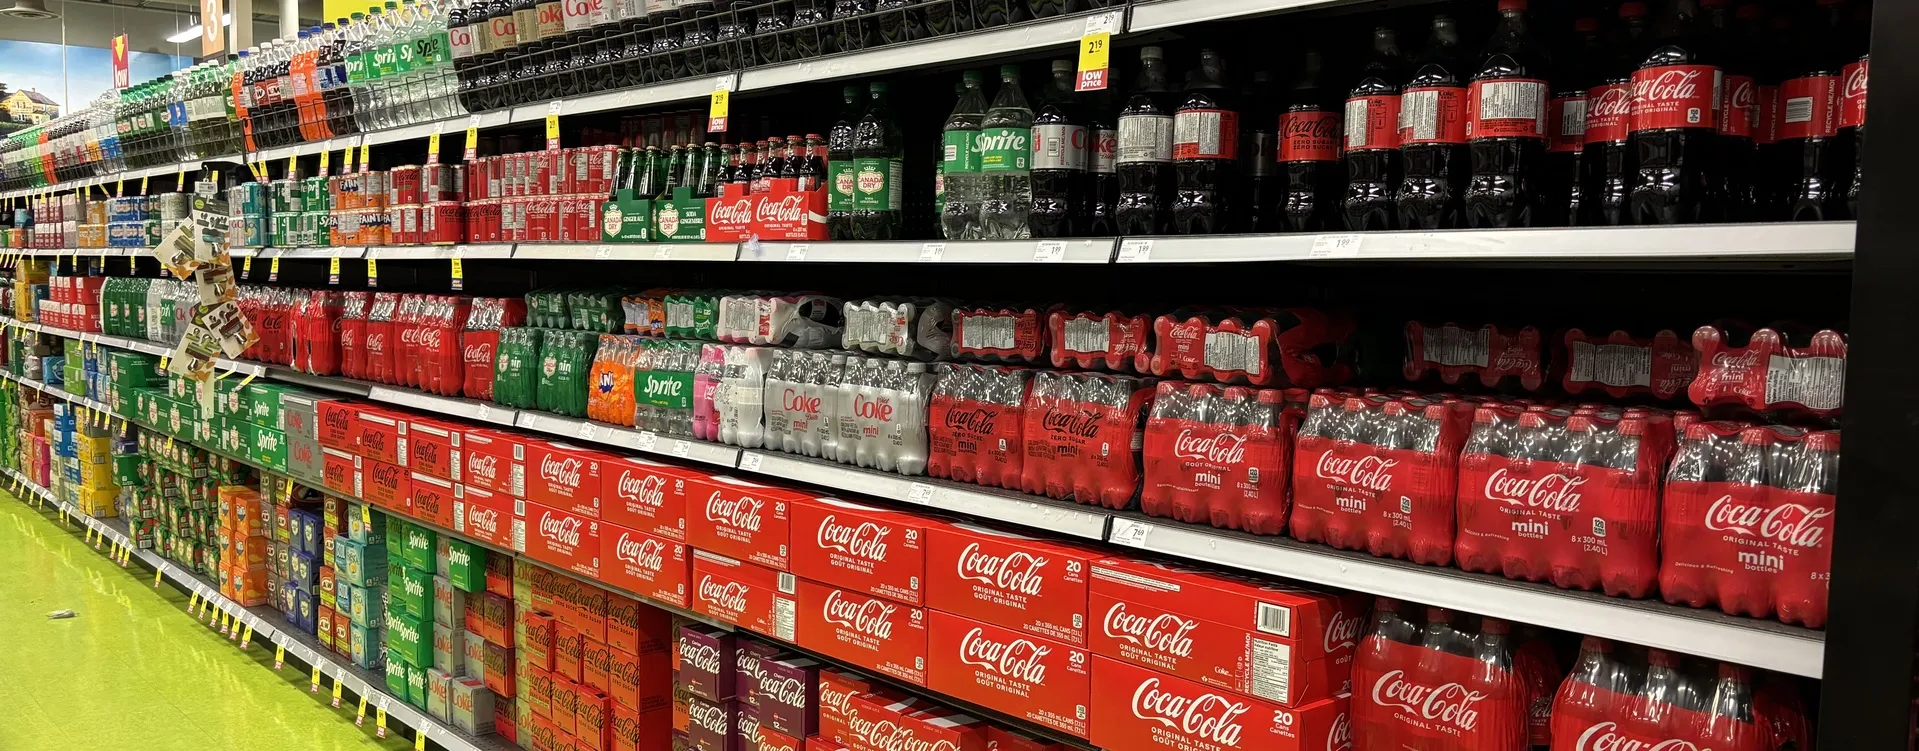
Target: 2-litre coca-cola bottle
{"x": 1561, "y": 194}
{"x": 1205, "y": 149}
{"x": 1608, "y": 157}
{"x": 1372, "y": 138}
{"x": 1821, "y": 161}
{"x": 1506, "y": 125}
{"x": 1309, "y": 151}
{"x": 1432, "y": 134}
{"x": 1059, "y": 158}
{"x": 1738, "y": 126}
{"x": 1258, "y": 157}
{"x": 1145, "y": 150}
{"x": 1675, "y": 115}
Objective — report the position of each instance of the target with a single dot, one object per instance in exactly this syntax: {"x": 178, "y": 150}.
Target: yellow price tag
{"x": 366, "y": 156}
{"x": 193, "y": 604}
{"x": 316, "y": 681}
{"x": 433, "y": 146}
{"x": 215, "y": 177}
{"x": 143, "y": 184}
{"x": 156, "y": 577}
{"x": 326, "y": 155}
{"x": 419, "y": 739}
{"x": 89, "y": 536}
{"x": 164, "y": 359}
{"x": 338, "y": 687}
{"x": 379, "y": 722}
{"x": 246, "y": 638}
{"x": 273, "y": 269}
{"x": 293, "y": 167}
{"x": 180, "y": 179}
{"x": 120, "y": 187}
{"x": 716, "y": 111}
{"x": 279, "y": 656}
{"x": 366, "y": 515}
{"x": 246, "y": 266}
{"x": 472, "y": 147}
{"x": 360, "y": 718}
{"x": 459, "y": 274}
{"x": 372, "y": 272}
{"x": 333, "y": 270}
{"x": 247, "y": 380}
{"x": 553, "y": 125}
{"x": 1095, "y": 53}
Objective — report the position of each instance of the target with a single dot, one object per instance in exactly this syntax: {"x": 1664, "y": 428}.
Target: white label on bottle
{"x": 1088, "y": 334}
{"x": 1572, "y": 118}
{"x": 1514, "y": 100}
{"x": 1452, "y": 345}
{"x": 988, "y": 332}
{"x": 1145, "y": 138}
{"x": 1228, "y": 350}
{"x": 1059, "y": 147}
{"x": 1815, "y": 382}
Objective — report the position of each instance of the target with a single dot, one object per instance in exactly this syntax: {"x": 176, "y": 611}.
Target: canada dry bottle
{"x": 1372, "y": 138}
{"x": 959, "y": 162}
{"x": 839, "y": 167}
{"x": 1309, "y": 151}
{"x": 1432, "y": 134}
{"x": 698, "y": 30}
{"x": 1144, "y": 158}
{"x": 1609, "y": 160}
{"x": 1675, "y": 111}
{"x": 1205, "y": 150}
{"x": 1506, "y": 125}
{"x": 1006, "y": 153}
{"x": 1059, "y": 157}
{"x": 877, "y": 161}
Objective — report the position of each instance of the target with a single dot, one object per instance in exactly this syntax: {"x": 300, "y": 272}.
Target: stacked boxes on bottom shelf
{"x": 595, "y": 666}
{"x": 410, "y": 569}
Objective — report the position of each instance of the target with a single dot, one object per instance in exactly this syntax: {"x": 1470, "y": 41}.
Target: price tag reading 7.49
{"x": 1095, "y": 52}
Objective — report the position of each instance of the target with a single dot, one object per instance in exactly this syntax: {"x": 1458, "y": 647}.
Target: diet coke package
{"x": 1083, "y": 435}
{"x": 1379, "y": 473}
{"x": 1102, "y": 341}
{"x": 919, "y": 328}
{"x": 1034, "y": 679}
{"x": 1449, "y": 681}
{"x": 1497, "y": 356}
{"x": 1621, "y": 697}
{"x": 1139, "y": 709}
{"x": 881, "y": 409}
{"x": 1015, "y": 335}
{"x": 1769, "y": 374}
{"x": 860, "y": 548}
{"x": 874, "y": 633}
{"x": 973, "y": 424}
{"x": 801, "y": 321}
{"x": 1286, "y": 646}
{"x": 1621, "y": 365}
{"x": 1219, "y": 456}
{"x": 1020, "y": 583}
{"x": 480, "y": 341}
{"x": 1299, "y": 347}
{"x": 1570, "y": 497}
{"x": 1747, "y": 520}
{"x": 753, "y": 597}
{"x": 740, "y": 519}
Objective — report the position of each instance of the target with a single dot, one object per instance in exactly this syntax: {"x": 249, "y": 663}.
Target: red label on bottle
{"x": 1566, "y": 113}
{"x": 1608, "y": 113}
{"x": 1372, "y": 122}
{"x": 1852, "y": 95}
{"x": 1675, "y": 96}
{"x": 1309, "y": 136}
{"x": 1806, "y": 107}
{"x": 1768, "y": 116}
{"x": 1205, "y": 134}
{"x": 1435, "y": 114}
{"x": 1739, "y": 108}
{"x": 1507, "y": 108}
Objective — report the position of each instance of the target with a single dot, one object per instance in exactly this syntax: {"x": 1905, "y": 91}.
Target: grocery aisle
{"x": 133, "y": 670}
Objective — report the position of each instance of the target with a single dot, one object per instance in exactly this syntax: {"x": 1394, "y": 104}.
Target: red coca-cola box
{"x": 641, "y": 731}
{"x": 340, "y": 425}
{"x": 536, "y": 646}
{"x": 1145, "y": 710}
{"x": 1001, "y": 739}
{"x": 1286, "y": 646}
{"x": 490, "y": 517}
{"x": 874, "y": 720}
{"x": 563, "y": 539}
{"x": 781, "y": 213}
{"x": 386, "y": 485}
{"x": 837, "y": 689}
{"x": 871, "y": 632}
{"x": 860, "y": 548}
{"x": 643, "y": 682}
{"x": 383, "y": 436}
{"x": 747, "y": 595}
{"x": 1017, "y": 582}
{"x": 645, "y": 496}
{"x": 935, "y": 726}
{"x": 596, "y": 664}
{"x": 568, "y": 647}
{"x": 340, "y": 471}
{"x": 433, "y": 447}
{"x": 758, "y": 736}
{"x": 433, "y": 500}
{"x": 565, "y": 477}
{"x": 740, "y": 519}
{"x": 646, "y": 565}
{"x": 495, "y": 461}
{"x": 1036, "y": 679}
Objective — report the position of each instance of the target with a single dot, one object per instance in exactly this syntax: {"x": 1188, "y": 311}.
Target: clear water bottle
{"x": 959, "y": 162}
{"x": 1006, "y": 155}
{"x": 411, "y": 92}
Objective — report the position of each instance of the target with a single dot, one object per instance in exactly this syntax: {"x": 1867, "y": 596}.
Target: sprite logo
{"x": 1005, "y": 148}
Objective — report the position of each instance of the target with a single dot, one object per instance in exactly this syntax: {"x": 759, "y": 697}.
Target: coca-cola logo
{"x": 1450, "y": 703}
{"x": 482, "y": 466}
{"x": 1672, "y": 85}
{"x": 1611, "y": 102}
{"x": 648, "y": 553}
{"x": 1020, "y": 659}
{"x": 864, "y": 540}
{"x": 800, "y": 401}
{"x": 839, "y": 702}
{"x": 1855, "y": 84}
{"x": 563, "y": 471}
{"x": 1342, "y": 631}
{"x": 1017, "y": 571}
{"x": 741, "y": 513}
{"x": 1789, "y": 523}
{"x": 889, "y": 735}
{"x": 1340, "y": 737}
{"x": 1744, "y": 95}
{"x": 710, "y": 717}
{"x": 1208, "y": 716}
{"x": 790, "y": 209}
{"x": 647, "y": 490}
{"x": 1605, "y": 736}
{"x": 1219, "y": 448}
{"x": 376, "y": 341}
{"x": 581, "y": 7}
{"x": 1308, "y": 125}
{"x": 871, "y": 616}
{"x": 873, "y": 409}
{"x": 564, "y": 529}
{"x": 1083, "y": 423}
{"x": 737, "y": 213}
{"x": 1164, "y": 633}
{"x": 429, "y": 339}
{"x": 786, "y": 690}
{"x": 976, "y": 421}
{"x": 700, "y": 655}
{"x": 729, "y": 596}
{"x": 1736, "y": 362}
{"x": 1552, "y": 492}
{"x": 1368, "y": 472}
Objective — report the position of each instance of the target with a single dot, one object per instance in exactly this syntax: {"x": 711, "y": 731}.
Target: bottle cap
{"x": 1495, "y": 627}
{"x": 1008, "y": 71}
{"x": 1755, "y": 437}
{"x": 1509, "y": 5}
{"x": 1151, "y": 52}
{"x": 1632, "y": 9}
{"x": 1595, "y": 644}
{"x": 1062, "y": 66}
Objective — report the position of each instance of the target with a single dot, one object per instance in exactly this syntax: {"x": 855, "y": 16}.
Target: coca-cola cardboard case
{"x": 650, "y": 566}
{"x": 490, "y": 517}
{"x": 860, "y": 548}
{"x": 872, "y": 632}
{"x": 645, "y": 496}
{"x": 1017, "y": 582}
{"x": 1285, "y": 646}
{"x": 494, "y": 460}
{"x": 565, "y": 477}
{"x": 753, "y": 597}
{"x": 837, "y": 690}
{"x": 880, "y": 722}
{"x": 387, "y": 485}
{"x": 563, "y": 539}
{"x": 740, "y": 519}
{"x": 433, "y": 447}
{"x": 433, "y": 500}
{"x": 383, "y": 435}
{"x": 340, "y": 425}
{"x": 1145, "y": 710}
{"x": 1036, "y": 679}
{"x": 341, "y": 471}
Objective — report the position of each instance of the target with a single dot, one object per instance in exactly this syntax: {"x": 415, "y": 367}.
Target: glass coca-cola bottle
{"x": 1205, "y": 149}
{"x": 1506, "y": 125}
{"x": 1309, "y": 151}
{"x": 1372, "y": 138}
{"x": 1608, "y": 158}
{"x": 1675, "y": 115}
{"x": 1432, "y": 134}
{"x": 1809, "y": 105}
{"x": 1144, "y": 157}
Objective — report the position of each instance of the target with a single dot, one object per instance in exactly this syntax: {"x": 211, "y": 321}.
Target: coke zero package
{"x": 920, "y": 328}
{"x": 1747, "y": 520}
{"x": 1378, "y": 473}
{"x": 1621, "y": 365}
{"x": 1620, "y": 697}
{"x": 381, "y": 343}
{"x": 1566, "y": 497}
{"x": 1493, "y": 353}
{"x": 353, "y": 310}
{"x": 1107, "y": 341}
{"x": 1083, "y": 435}
{"x": 1282, "y": 347}
{"x": 1218, "y": 455}
{"x": 480, "y": 341}
{"x": 1006, "y": 335}
{"x": 973, "y": 424}
{"x": 1767, "y": 373}
{"x": 317, "y": 333}
{"x": 1448, "y": 681}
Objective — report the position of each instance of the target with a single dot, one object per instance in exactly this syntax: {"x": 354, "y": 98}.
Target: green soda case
{"x": 515, "y": 363}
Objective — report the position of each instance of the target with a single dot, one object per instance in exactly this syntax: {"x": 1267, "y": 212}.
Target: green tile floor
{"x": 133, "y": 670}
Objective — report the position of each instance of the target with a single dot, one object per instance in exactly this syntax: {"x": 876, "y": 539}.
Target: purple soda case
{"x": 712, "y": 726}
{"x": 707, "y": 663}
{"x": 747, "y": 657}
{"x": 786, "y": 689}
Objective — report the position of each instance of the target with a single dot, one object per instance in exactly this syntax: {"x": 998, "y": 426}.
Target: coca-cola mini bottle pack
{"x": 1014, "y": 335}
{"x": 1447, "y": 681}
{"x": 1101, "y": 341}
{"x": 1619, "y": 696}
{"x": 1768, "y": 374}
{"x": 1379, "y": 473}
{"x": 1300, "y": 347}
{"x": 1496, "y": 356}
{"x": 1083, "y": 434}
{"x": 920, "y": 328}
{"x": 1219, "y": 455}
{"x": 1621, "y": 365}
{"x": 974, "y": 423}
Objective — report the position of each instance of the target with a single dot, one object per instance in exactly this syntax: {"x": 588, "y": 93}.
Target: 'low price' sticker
{"x": 1095, "y": 52}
